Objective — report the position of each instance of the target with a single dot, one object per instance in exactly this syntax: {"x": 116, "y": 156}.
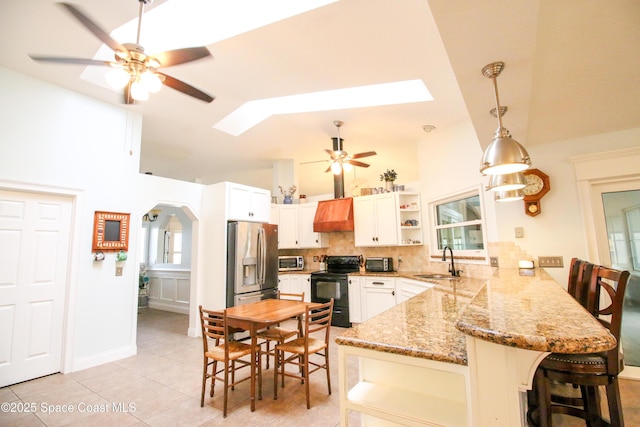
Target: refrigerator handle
{"x": 261, "y": 257}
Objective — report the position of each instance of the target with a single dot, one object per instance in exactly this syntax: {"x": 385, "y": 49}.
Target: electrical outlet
{"x": 550, "y": 261}
{"x": 494, "y": 261}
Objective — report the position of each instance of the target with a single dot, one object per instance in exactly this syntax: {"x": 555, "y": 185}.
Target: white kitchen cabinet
{"x": 296, "y": 284}
{"x": 355, "y": 299}
{"x": 407, "y": 288}
{"x": 375, "y": 220}
{"x": 388, "y": 219}
{"x": 287, "y": 226}
{"x": 246, "y": 203}
{"x": 284, "y": 283}
{"x": 378, "y": 295}
{"x": 306, "y": 236}
{"x": 295, "y": 227}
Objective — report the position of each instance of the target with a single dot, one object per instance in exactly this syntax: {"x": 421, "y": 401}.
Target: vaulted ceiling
{"x": 571, "y": 70}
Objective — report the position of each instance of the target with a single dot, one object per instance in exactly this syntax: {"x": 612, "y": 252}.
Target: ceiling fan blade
{"x": 96, "y": 30}
{"x": 329, "y": 152}
{"x": 315, "y": 161}
{"x": 181, "y": 56}
{"x": 328, "y": 169}
{"x": 78, "y": 61}
{"x": 185, "y": 88}
{"x": 365, "y": 154}
{"x": 356, "y": 163}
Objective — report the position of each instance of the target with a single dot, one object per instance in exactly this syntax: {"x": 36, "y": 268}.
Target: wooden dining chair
{"x": 588, "y": 371}
{"x": 277, "y": 333}
{"x": 317, "y": 320}
{"x": 219, "y": 348}
{"x": 580, "y": 273}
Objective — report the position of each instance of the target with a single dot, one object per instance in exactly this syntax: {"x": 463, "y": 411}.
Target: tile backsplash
{"x": 412, "y": 258}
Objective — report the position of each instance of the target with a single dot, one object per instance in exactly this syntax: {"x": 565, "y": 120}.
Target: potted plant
{"x": 389, "y": 178}
{"x": 288, "y": 194}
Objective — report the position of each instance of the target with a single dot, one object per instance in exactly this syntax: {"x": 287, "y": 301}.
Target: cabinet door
{"x": 355, "y": 300}
{"x": 248, "y": 203}
{"x": 288, "y": 227}
{"x": 284, "y": 283}
{"x": 364, "y": 232}
{"x": 406, "y": 289}
{"x": 260, "y": 210}
{"x": 387, "y": 224}
{"x": 239, "y": 199}
{"x": 379, "y": 295}
{"x": 307, "y": 238}
{"x": 301, "y": 283}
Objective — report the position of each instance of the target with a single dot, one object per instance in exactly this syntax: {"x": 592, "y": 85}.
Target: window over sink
{"x": 458, "y": 222}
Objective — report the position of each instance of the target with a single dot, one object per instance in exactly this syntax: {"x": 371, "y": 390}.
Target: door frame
{"x": 75, "y": 231}
{"x": 593, "y": 171}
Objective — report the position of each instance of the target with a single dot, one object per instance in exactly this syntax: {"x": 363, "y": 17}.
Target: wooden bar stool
{"x": 587, "y": 371}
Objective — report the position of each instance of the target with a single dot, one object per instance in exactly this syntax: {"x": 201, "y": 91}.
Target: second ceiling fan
{"x": 340, "y": 159}
{"x": 134, "y": 70}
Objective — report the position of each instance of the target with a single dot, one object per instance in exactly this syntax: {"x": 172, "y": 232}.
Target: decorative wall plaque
{"x": 110, "y": 231}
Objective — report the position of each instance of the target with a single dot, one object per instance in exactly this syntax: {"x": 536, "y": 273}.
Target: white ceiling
{"x": 571, "y": 70}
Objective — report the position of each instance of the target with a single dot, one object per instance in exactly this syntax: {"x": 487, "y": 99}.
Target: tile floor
{"x": 160, "y": 386}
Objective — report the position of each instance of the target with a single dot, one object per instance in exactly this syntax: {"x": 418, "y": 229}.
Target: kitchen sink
{"x": 435, "y": 276}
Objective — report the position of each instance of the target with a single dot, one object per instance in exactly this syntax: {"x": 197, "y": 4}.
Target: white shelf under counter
{"x": 401, "y": 390}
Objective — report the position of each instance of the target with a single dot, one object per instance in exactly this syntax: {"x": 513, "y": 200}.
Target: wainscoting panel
{"x": 169, "y": 290}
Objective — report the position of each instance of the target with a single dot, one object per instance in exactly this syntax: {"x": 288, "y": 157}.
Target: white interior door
{"x": 34, "y": 248}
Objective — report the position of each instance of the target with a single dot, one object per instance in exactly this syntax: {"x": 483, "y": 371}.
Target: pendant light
{"x": 508, "y": 182}
{"x": 509, "y": 196}
{"x": 504, "y": 155}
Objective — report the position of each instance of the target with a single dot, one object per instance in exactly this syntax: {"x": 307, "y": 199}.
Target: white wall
{"x": 450, "y": 160}
{"x": 54, "y": 140}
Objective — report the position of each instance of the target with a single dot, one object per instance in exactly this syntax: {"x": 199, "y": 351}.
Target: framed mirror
{"x": 110, "y": 231}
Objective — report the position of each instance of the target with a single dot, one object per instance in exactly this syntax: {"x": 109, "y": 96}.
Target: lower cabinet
{"x": 407, "y": 288}
{"x": 355, "y": 300}
{"x": 378, "y": 295}
{"x": 295, "y": 284}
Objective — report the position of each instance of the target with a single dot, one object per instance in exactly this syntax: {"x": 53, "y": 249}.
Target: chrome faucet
{"x": 452, "y": 267}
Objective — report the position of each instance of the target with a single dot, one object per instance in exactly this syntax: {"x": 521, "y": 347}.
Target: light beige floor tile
{"x": 163, "y": 382}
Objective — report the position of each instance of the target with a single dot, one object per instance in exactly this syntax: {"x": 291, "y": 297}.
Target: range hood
{"x": 334, "y": 215}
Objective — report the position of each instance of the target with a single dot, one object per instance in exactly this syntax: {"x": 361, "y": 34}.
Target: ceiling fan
{"x": 340, "y": 159}
{"x": 133, "y": 70}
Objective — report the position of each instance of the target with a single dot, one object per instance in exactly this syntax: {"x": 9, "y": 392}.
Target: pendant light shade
{"x": 509, "y": 196}
{"x": 504, "y": 155}
{"x": 508, "y": 182}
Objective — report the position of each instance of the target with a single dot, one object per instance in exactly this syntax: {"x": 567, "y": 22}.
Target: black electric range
{"x": 334, "y": 283}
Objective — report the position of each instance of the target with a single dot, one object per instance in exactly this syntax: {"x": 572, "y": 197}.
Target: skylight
{"x": 254, "y": 112}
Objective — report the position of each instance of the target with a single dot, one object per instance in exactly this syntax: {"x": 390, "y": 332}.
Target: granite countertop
{"x": 530, "y": 312}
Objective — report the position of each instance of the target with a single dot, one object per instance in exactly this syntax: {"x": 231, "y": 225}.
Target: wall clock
{"x": 537, "y": 186}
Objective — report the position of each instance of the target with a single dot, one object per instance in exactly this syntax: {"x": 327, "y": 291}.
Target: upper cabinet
{"x": 248, "y": 203}
{"x": 389, "y": 219}
{"x": 295, "y": 227}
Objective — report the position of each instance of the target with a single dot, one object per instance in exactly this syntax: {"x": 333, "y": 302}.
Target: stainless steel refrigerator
{"x": 252, "y": 262}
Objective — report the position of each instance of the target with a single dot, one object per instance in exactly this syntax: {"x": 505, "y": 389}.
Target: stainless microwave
{"x": 290, "y": 263}
{"x": 380, "y": 264}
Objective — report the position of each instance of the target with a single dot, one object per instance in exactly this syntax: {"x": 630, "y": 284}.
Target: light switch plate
{"x": 118, "y": 270}
{"x": 550, "y": 261}
{"x": 494, "y": 261}
{"x": 519, "y": 232}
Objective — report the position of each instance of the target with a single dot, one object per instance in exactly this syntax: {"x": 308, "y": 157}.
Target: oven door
{"x": 325, "y": 286}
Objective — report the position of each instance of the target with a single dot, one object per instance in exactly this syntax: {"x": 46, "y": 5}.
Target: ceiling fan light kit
{"x": 504, "y": 155}
{"x": 133, "y": 70}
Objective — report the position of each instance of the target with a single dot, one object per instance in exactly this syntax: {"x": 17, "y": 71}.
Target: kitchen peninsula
{"x": 461, "y": 353}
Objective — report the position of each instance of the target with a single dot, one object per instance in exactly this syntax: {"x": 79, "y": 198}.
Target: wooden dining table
{"x": 259, "y": 315}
